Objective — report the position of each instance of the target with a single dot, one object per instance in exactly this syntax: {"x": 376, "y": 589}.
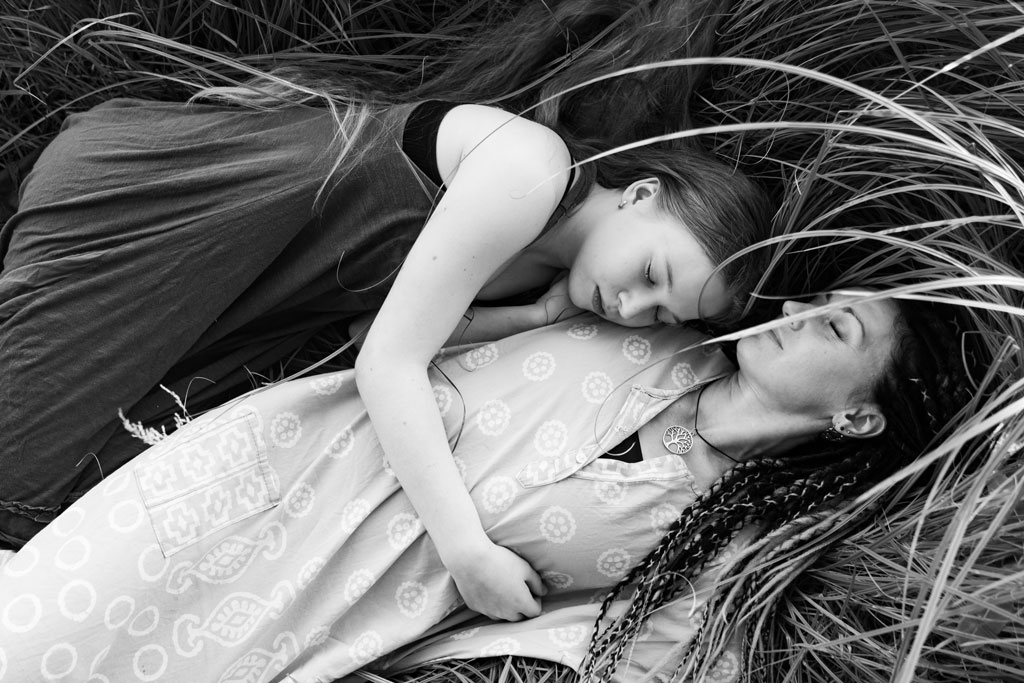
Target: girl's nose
{"x": 631, "y": 306}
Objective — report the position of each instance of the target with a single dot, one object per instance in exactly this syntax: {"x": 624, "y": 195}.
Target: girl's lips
{"x": 596, "y": 302}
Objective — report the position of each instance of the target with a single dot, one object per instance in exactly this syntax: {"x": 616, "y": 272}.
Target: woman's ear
{"x": 641, "y": 190}
{"x": 861, "y": 422}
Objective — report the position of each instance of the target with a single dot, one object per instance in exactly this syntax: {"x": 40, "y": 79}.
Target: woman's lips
{"x": 598, "y": 305}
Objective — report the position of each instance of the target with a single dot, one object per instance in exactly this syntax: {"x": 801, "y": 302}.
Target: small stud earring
{"x": 622, "y": 203}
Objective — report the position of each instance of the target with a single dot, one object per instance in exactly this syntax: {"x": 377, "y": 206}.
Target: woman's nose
{"x": 792, "y": 308}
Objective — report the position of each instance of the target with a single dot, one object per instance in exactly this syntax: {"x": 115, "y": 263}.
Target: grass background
{"x": 892, "y": 134}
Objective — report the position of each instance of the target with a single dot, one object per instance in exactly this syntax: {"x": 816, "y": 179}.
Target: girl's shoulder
{"x": 473, "y": 128}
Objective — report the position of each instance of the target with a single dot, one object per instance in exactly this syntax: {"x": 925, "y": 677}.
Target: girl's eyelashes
{"x": 647, "y": 272}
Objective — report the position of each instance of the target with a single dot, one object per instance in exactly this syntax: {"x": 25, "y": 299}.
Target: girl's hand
{"x": 555, "y": 304}
{"x": 497, "y": 583}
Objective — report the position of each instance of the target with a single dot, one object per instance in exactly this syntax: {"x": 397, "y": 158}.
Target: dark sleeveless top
{"x": 419, "y": 142}
{"x": 194, "y": 247}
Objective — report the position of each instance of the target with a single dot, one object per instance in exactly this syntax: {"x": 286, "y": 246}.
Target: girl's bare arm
{"x": 510, "y": 175}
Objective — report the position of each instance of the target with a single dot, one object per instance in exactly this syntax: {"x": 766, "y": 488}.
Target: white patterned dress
{"x": 269, "y": 540}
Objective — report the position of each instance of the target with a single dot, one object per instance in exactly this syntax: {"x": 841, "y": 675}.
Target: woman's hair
{"x": 923, "y": 389}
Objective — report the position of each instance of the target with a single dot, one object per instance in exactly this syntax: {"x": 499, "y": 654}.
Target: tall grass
{"x": 892, "y": 134}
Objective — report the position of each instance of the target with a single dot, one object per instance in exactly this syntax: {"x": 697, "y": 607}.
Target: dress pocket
{"x": 206, "y": 481}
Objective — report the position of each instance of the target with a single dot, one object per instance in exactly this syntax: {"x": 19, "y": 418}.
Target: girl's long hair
{"x": 532, "y": 64}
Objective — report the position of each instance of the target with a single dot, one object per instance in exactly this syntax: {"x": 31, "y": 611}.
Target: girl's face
{"x": 823, "y": 364}
{"x": 640, "y": 266}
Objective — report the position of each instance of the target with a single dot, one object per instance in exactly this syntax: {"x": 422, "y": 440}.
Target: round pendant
{"x": 677, "y": 439}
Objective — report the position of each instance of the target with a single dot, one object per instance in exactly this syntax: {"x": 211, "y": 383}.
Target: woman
{"x": 270, "y": 538}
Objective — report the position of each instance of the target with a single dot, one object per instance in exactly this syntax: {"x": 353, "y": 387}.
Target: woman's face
{"x": 641, "y": 266}
{"x": 824, "y": 364}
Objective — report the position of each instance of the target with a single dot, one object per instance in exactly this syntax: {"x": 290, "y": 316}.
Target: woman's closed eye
{"x": 647, "y": 273}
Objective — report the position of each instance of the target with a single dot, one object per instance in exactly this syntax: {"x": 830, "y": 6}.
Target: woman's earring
{"x": 832, "y": 434}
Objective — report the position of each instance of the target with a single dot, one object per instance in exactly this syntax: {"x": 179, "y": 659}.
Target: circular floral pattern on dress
{"x": 494, "y": 417}
{"x": 353, "y": 514}
{"x": 317, "y": 636}
{"x": 285, "y": 430}
{"x": 636, "y": 349}
{"x": 126, "y": 516}
{"x": 115, "y": 484}
{"x": 145, "y": 622}
{"x": 119, "y": 611}
{"x": 402, "y": 529}
{"x": 596, "y": 386}
{"x": 551, "y": 437}
{"x": 610, "y": 492}
{"x": 76, "y": 600}
{"x": 411, "y": 598}
{"x": 460, "y": 465}
{"x": 662, "y": 516}
{"x": 66, "y": 523}
{"x": 22, "y": 563}
{"x": 582, "y": 331}
{"x": 481, "y": 357}
{"x": 501, "y": 646}
{"x": 498, "y": 493}
{"x": 683, "y": 375}
{"x": 150, "y": 662}
{"x": 310, "y": 570}
{"x": 465, "y": 635}
{"x": 614, "y": 563}
{"x": 558, "y": 581}
{"x": 300, "y": 500}
{"x": 385, "y": 465}
{"x": 443, "y": 397}
{"x": 22, "y": 614}
{"x": 539, "y": 366}
{"x": 357, "y": 585}
{"x": 367, "y": 647}
{"x": 59, "y": 661}
{"x": 725, "y": 670}
{"x": 557, "y": 525}
{"x": 342, "y": 444}
{"x": 152, "y": 564}
{"x": 325, "y": 385}
{"x": 724, "y": 555}
{"x": 73, "y": 555}
{"x": 568, "y": 636}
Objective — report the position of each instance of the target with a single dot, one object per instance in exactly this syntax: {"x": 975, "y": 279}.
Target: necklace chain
{"x": 679, "y": 440}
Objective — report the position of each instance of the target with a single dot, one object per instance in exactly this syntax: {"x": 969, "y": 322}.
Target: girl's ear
{"x": 641, "y": 190}
{"x": 861, "y": 422}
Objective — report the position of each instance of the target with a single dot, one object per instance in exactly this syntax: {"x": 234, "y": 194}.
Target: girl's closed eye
{"x": 647, "y": 272}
